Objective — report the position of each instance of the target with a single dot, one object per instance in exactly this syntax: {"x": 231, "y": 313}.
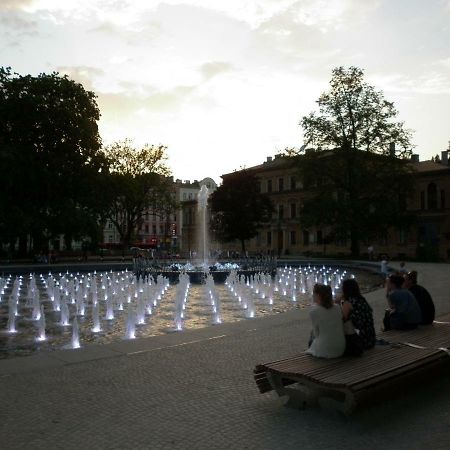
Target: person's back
{"x": 329, "y": 340}
{"x": 425, "y": 302}
{"x": 406, "y": 312}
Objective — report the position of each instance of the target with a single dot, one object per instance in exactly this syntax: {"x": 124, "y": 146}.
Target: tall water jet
{"x": 75, "y": 334}
{"x": 96, "y": 318}
{"x": 12, "y": 315}
{"x": 131, "y": 323}
{"x": 202, "y": 232}
{"x": 64, "y": 313}
{"x": 41, "y": 324}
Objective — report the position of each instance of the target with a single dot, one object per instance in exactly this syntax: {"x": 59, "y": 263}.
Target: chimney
{"x": 444, "y": 158}
{"x": 415, "y": 158}
{"x": 392, "y": 149}
{"x": 269, "y": 159}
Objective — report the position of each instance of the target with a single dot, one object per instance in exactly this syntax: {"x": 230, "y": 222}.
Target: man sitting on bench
{"x": 404, "y": 311}
{"x": 422, "y": 296}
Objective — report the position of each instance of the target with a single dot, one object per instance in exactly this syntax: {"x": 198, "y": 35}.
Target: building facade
{"x": 428, "y": 237}
{"x": 162, "y": 231}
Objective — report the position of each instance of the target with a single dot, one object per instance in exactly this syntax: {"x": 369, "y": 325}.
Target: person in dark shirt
{"x": 423, "y": 297}
{"x": 404, "y": 311}
{"x": 356, "y": 309}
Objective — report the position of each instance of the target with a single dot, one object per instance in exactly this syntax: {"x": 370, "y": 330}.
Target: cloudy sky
{"x": 224, "y": 83}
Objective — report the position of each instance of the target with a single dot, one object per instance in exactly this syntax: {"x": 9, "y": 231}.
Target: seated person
{"x": 404, "y": 311}
{"x": 423, "y": 297}
{"x": 356, "y": 309}
{"x": 327, "y": 339}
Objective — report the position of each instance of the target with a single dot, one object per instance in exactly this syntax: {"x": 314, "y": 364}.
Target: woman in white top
{"x": 328, "y": 340}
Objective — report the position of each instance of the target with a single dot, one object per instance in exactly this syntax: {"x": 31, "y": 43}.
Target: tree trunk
{"x": 243, "y": 247}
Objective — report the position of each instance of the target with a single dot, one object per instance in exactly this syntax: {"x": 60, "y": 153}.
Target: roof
{"x": 275, "y": 163}
{"x": 430, "y": 166}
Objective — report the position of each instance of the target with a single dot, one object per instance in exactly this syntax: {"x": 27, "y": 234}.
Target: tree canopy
{"x": 49, "y": 156}
{"x": 354, "y": 115}
{"x": 239, "y": 208}
{"x": 354, "y": 162}
{"x": 138, "y": 181}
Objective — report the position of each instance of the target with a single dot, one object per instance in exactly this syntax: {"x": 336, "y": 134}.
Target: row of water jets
{"x": 112, "y": 292}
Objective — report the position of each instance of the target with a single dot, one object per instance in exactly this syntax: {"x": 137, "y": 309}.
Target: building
{"x": 429, "y": 237}
{"x": 162, "y": 230}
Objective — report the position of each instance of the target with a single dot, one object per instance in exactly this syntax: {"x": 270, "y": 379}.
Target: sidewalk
{"x": 195, "y": 390}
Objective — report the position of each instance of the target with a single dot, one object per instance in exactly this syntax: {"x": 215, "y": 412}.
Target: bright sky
{"x": 224, "y": 83}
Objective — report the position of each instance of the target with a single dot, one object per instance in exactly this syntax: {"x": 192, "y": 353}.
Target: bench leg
{"x": 298, "y": 394}
{"x": 304, "y": 394}
{"x": 344, "y": 403}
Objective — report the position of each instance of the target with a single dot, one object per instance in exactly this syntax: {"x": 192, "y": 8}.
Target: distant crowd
{"x": 346, "y": 326}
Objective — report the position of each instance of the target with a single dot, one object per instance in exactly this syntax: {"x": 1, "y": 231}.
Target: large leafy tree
{"x": 354, "y": 161}
{"x": 239, "y": 208}
{"x": 49, "y": 156}
{"x": 138, "y": 182}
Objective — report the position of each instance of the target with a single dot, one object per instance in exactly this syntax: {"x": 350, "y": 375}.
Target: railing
{"x": 148, "y": 262}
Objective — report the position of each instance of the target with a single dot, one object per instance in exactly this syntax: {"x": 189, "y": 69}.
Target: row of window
{"x": 306, "y": 238}
{"x": 189, "y": 196}
{"x": 279, "y": 213}
{"x": 146, "y": 229}
{"x": 281, "y": 184}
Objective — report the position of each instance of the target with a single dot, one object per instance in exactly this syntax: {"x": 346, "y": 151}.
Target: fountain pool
{"x": 54, "y": 311}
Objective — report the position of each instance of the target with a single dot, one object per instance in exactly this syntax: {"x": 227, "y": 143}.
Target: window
{"x": 432, "y": 196}
{"x": 161, "y": 229}
{"x": 154, "y": 229}
{"x": 293, "y": 237}
{"x": 184, "y": 196}
{"x": 422, "y": 200}
{"x": 402, "y": 236}
{"x": 293, "y": 210}
{"x": 269, "y": 238}
{"x": 174, "y": 217}
{"x": 280, "y": 211}
{"x": 110, "y": 225}
{"x": 146, "y": 229}
{"x": 442, "y": 199}
{"x": 110, "y": 238}
{"x": 293, "y": 183}
{"x": 281, "y": 184}
{"x": 269, "y": 185}
{"x": 319, "y": 237}
{"x": 305, "y": 237}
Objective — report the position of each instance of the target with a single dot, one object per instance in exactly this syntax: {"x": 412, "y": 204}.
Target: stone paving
{"x": 195, "y": 390}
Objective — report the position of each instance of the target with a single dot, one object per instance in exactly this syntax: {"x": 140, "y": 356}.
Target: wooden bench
{"x": 342, "y": 383}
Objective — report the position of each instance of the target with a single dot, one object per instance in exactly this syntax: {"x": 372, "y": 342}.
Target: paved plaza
{"x": 195, "y": 390}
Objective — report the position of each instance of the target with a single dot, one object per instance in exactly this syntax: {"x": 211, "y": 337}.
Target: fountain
{"x": 203, "y": 231}
{"x": 146, "y": 264}
{"x": 131, "y": 323}
{"x": 243, "y": 296}
{"x": 41, "y": 325}
{"x": 75, "y": 334}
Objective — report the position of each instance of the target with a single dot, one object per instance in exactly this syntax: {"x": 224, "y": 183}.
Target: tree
{"x": 49, "y": 156}
{"x": 138, "y": 182}
{"x": 357, "y": 169}
{"x": 238, "y": 208}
